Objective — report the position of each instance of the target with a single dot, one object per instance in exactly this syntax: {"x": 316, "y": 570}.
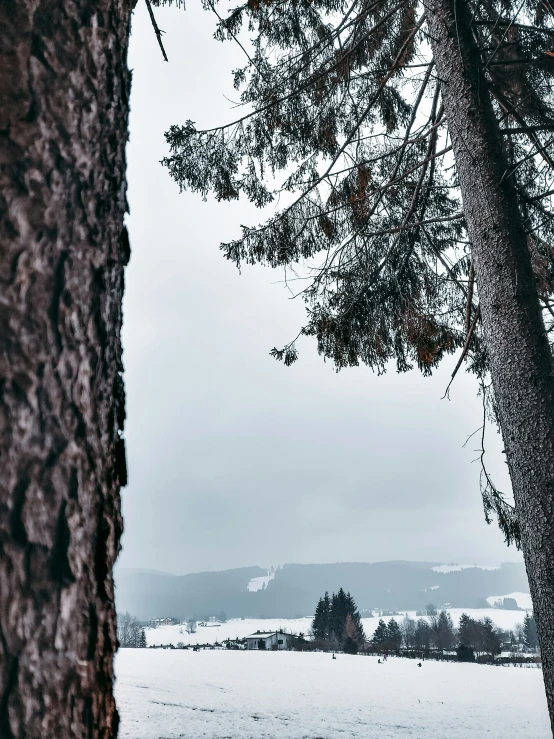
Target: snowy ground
{"x": 239, "y": 628}
{"x": 232, "y": 629}
{"x": 522, "y": 599}
{"x": 223, "y": 694}
{"x": 257, "y": 583}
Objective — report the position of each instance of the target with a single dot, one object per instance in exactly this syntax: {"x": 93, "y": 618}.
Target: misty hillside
{"x": 295, "y": 589}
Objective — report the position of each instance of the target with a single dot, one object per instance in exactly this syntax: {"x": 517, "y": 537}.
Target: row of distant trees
{"x": 130, "y": 632}
{"x": 437, "y": 631}
{"x": 174, "y": 621}
{"x": 337, "y": 625}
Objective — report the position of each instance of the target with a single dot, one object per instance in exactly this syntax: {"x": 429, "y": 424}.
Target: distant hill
{"x": 295, "y": 589}
{"x": 125, "y": 571}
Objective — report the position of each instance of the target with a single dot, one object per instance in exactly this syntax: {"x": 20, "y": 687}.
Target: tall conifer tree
{"x": 339, "y": 612}
{"x": 530, "y": 632}
{"x": 320, "y": 624}
{"x": 466, "y": 631}
{"x": 354, "y": 613}
{"x": 381, "y": 634}
{"x": 394, "y": 635}
{"x": 492, "y": 642}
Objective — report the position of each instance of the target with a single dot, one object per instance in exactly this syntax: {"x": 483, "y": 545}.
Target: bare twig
{"x": 157, "y": 30}
{"x": 465, "y": 349}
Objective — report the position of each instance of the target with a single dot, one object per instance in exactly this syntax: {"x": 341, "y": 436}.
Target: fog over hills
{"x": 295, "y": 588}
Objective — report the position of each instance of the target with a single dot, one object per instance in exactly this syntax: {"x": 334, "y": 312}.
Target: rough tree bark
{"x": 64, "y": 89}
{"x": 522, "y": 369}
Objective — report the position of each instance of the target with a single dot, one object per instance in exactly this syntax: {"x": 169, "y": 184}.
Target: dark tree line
{"x": 437, "y": 631}
{"x": 434, "y": 632}
{"x": 387, "y": 636}
{"x": 479, "y": 636}
{"x": 337, "y": 622}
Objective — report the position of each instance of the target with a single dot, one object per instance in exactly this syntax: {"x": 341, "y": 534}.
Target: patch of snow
{"x": 257, "y": 583}
{"x": 295, "y": 695}
{"x": 522, "y": 599}
{"x": 506, "y": 620}
{"x": 443, "y": 569}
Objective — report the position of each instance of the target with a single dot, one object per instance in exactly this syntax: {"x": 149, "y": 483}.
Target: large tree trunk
{"x": 64, "y": 89}
{"x": 521, "y": 364}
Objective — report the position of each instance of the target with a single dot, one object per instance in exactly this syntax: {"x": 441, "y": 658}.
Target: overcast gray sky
{"x": 234, "y": 459}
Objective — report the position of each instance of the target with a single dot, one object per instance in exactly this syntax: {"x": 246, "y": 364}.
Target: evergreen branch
{"x": 444, "y": 263}
{"x": 212, "y": 7}
{"x": 508, "y": 26}
{"x": 511, "y": 170}
{"x": 519, "y": 26}
{"x": 526, "y": 129}
{"x": 540, "y": 197}
{"x": 511, "y": 110}
{"x": 311, "y": 82}
{"x": 350, "y": 137}
{"x": 413, "y": 225}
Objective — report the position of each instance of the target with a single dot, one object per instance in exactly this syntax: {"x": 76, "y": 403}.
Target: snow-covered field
{"x": 257, "y": 583}
{"x": 232, "y": 629}
{"x": 224, "y": 694}
{"x": 239, "y": 628}
{"x": 522, "y": 599}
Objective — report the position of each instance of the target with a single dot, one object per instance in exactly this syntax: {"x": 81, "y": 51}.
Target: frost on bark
{"x": 521, "y": 364}
{"x": 64, "y": 90}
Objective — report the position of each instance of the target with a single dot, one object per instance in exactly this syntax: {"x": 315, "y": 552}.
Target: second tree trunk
{"x": 521, "y": 364}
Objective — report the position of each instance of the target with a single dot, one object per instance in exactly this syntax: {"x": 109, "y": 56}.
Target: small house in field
{"x": 163, "y": 621}
{"x": 271, "y": 640}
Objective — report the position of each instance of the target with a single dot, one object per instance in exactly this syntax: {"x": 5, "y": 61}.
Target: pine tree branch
{"x": 509, "y": 109}
{"x": 509, "y": 25}
{"x": 540, "y": 197}
{"x": 526, "y": 129}
{"x": 323, "y": 73}
{"x": 355, "y": 128}
{"x": 511, "y": 170}
{"x": 519, "y": 26}
{"x": 444, "y": 263}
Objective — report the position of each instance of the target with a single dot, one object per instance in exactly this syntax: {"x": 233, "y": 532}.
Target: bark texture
{"x": 521, "y": 364}
{"x": 64, "y": 89}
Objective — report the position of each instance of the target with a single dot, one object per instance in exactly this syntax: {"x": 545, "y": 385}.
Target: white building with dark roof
{"x": 271, "y": 640}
